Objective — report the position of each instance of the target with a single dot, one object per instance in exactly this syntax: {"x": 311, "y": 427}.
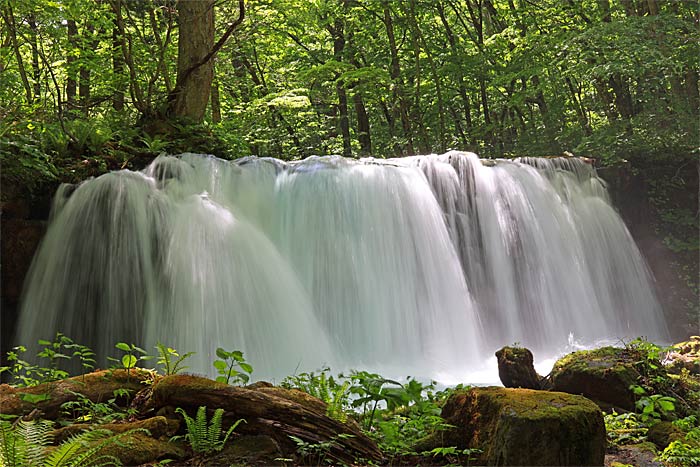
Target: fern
{"x": 203, "y": 438}
{"x": 24, "y": 444}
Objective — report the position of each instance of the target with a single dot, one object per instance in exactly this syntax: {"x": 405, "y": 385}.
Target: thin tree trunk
{"x": 72, "y": 81}
{"x": 9, "y": 18}
{"x": 363, "y": 130}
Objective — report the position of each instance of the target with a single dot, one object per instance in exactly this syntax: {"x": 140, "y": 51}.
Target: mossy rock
{"x": 663, "y": 433}
{"x": 516, "y": 368}
{"x": 522, "y": 427}
{"x": 603, "y": 375}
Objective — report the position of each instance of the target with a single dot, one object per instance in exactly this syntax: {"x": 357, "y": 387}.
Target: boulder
{"x": 603, "y": 375}
{"x": 516, "y": 368}
{"x": 522, "y": 427}
{"x": 141, "y": 449}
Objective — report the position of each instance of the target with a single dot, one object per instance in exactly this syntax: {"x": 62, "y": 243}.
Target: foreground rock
{"x": 522, "y": 427}
{"x": 603, "y": 375}
{"x": 516, "y": 368}
{"x": 277, "y": 414}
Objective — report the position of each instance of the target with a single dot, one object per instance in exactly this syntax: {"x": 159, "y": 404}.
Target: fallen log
{"x": 270, "y": 412}
{"x": 45, "y": 399}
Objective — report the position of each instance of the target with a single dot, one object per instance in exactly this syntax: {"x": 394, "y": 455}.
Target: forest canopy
{"x": 104, "y": 81}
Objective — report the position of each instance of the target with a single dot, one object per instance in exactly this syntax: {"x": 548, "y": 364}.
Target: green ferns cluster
{"x": 27, "y": 444}
{"x": 205, "y": 438}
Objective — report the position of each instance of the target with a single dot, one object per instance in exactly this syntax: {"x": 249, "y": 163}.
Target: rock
{"x": 20, "y": 239}
{"x": 516, "y": 368}
{"x": 522, "y": 427}
{"x": 684, "y": 355}
{"x": 662, "y": 433}
{"x": 277, "y": 413}
{"x": 48, "y": 397}
{"x": 603, "y": 375}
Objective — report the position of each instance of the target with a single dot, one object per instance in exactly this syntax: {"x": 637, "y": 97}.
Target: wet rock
{"x": 603, "y": 375}
{"x": 522, "y": 427}
{"x": 516, "y": 368}
{"x": 662, "y": 433}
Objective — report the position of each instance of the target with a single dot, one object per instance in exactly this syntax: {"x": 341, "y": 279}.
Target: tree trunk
{"x": 363, "y": 134}
{"x": 215, "y": 103}
{"x": 117, "y": 64}
{"x": 395, "y": 72}
{"x": 196, "y": 41}
{"x": 72, "y": 81}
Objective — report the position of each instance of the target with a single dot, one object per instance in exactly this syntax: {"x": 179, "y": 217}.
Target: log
{"x": 269, "y": 412}
{"x": 45, "y": 399}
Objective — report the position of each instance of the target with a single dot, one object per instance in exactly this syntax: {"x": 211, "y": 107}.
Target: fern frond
{"x": 214, "y": 430}
{"x": 230, "y": 431}
{"x": 37, "y": 435}
{"x": 12, "y": 446}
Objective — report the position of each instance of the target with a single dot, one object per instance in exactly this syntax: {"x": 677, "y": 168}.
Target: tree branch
{"x": 220, "y": 43}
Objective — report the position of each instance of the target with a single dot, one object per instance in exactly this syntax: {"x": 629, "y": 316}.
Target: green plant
{"x": 324, "y": 387}
{"x": 206, "y": 438}
{"x": 25, "y": 444}
{"x": 227, "y": 364}
{"x": 653, "y": 407}
{"x": 454, "y": 455}
{"x": 320, "y": 452}
{"x": 625, "y": 428}
{"x": 132, "y": 355}
{"x": 171, "y": 360}
{"x": 680, "y": 454}
{"x": 82, "y": 409}
{"x": 154, "y": 144}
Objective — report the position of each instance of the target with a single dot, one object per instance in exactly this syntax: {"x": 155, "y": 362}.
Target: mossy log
{"x": 276, "y": 413}
{"x": 47, "y": 398}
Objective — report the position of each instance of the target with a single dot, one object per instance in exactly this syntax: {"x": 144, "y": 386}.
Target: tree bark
{"x": 363, "y": 130}
{"x": 72, "y": 81}
{"x": 193, "y": 85}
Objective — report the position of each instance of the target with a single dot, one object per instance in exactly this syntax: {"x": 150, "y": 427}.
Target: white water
{"x": 421, "y": 266}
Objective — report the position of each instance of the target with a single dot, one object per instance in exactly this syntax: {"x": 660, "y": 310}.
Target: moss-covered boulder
{"x": 522, "y": 427}
{"x": 158, "y": 427}
{"x": 603, "y": 375}
{"x": 516, "y": 368}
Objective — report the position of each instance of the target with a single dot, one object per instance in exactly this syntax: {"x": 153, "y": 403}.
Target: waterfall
{"x": 422, "y": 265}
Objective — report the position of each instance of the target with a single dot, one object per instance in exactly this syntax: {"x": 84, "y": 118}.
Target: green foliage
{"x": 624, "y": 428}
{"x": 206, "y": 438}
{"x": 325, "y": 387}
{"x": 132, "y": 356}
{"x": 454, "y": 455}
{"x": 61, "y": 349}
{"x": 170, "y": 360}
{"x": 680, "y": 454}
{"x": 318, "y": 453}
{"x": 25, "y": 444}
{"x": 226, "y": 367}
{"x": 84, "y": 410}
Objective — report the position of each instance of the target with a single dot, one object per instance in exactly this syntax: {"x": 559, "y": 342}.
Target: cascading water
{"x": 421, "y": 265}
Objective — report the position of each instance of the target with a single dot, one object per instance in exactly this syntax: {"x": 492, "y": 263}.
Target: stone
{"x": 603, "y": 375}
{"x": 522, "y": 427}
{"x": 516, "y": 368}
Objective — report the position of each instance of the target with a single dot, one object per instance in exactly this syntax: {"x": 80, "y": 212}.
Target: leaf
{"x": 221, "y": 353}
{"x": 123, "y": 346}
{"x": 246, "y": 367}
{"x": 129, "y": 361}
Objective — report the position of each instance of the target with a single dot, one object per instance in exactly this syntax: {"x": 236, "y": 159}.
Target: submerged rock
{"x": 516, "y": 368}
{"x": 603, "y": 375}
{"x": 522, "y": 427}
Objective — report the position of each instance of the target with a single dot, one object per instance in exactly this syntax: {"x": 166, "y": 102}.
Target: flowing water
{"x": 423, "y": 265}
